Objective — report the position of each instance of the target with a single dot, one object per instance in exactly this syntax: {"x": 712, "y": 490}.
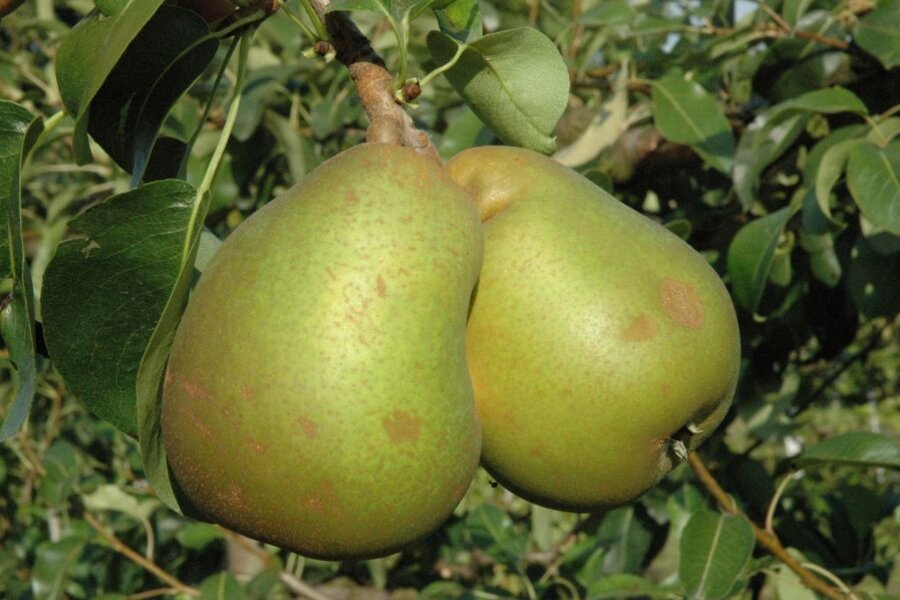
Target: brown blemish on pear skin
{"x": 236, "y": 496}
{"x": 681, "y": 303}
{"x": 641, "y": 329}
{"x": 247, "y": 392}
{"x": 382, "y": 287}
{"x": 309, "y": 427}
{"x": 194, "y": 390}
{"x": 198, "y": 423}
{"x": 666, "y": 390}
{"x": 256, "y": 445}
{"x": 352, "y": 197}
{"x": 402, "y": 427}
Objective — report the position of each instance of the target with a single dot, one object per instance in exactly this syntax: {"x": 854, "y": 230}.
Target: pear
{"x": 317, "y": 395}
{"x": 602, "y": 348}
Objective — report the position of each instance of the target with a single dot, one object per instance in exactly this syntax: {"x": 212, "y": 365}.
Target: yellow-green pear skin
{"x": 601, "y": 346}
{"x": 317, "y": 395}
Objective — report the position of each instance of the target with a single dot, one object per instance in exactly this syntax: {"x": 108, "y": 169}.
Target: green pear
{"x": 317, "y": 395}
{"x": 602, "y": 348}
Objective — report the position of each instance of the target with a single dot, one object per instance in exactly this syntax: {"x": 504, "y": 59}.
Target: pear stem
{"x": 766, "y": 539}
{"x": 389, "y": 123}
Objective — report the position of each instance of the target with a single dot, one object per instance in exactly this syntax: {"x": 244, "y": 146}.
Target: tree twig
{"x": 768, "y": 540}
{"x": 388, "y": 122}
{"x": 776, "y": 31}
{"x": 120, "y": 547}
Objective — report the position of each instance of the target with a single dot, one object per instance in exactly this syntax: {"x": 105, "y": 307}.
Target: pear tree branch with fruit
{"x": 389, "y": 320}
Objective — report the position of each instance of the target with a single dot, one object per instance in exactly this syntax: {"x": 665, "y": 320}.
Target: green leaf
{"x": 794, "y": 9}
{"x": 829, "y": 167}
{"x": 113, "y": 497}
{"x": 767, "y": 138}
{"x": 823, "y": 259}
{"x": 197, "y": 536}
{"x": 786, "y": 585}
{"x": 201, "y": 246}
{"x": 751, "y": 255}
{"x": 222, "y": 586}
{"x": 609, "y": 12}
{"x": 110, "y": 7}
{"x": 159, "y": 65}
{"x": 686, "y": 113}
{"x": 828, "y": 101}
{"x": 264, "y": 585}
{"x": 61, "y": 464}
{"x": 51, "y": 569}
{"x": 873, "y": 176}
{"x": 395, "y": 10}
{"x": 878, "y": 33}
{"x": 19, "y": 130}
{"x": 492, "y": 530}
{"x": 88, "y": 54}
{"x": 830, "y": 170}
{"x": 861, "y": 448}
{"x": 621, "y": 586}
{"x": 776, "y": 129}
{"x": 410, "y": 9}
{"x": 626, "y": 541}
{"x": 262, "y": 84}
{"x": 105, "y": 292}
{"x": 884, "y": 132}
{"x": 715, "y": 549}
{"x": 460, "y": 19}
{"x": 645, "y": 24}
{"x": 520, "y": 100}
{"x": 680, "y": 505}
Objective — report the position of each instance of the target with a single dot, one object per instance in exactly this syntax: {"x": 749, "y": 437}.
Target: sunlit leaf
{"x": 159, "y": 65}
{"x": 201, "y": 246}
{"x": 460, "y": 19}
{"x": 861, "y": 448}
{"x": 18, "y": 132}
{"x": 686, "y": 113}
{"x": 873, "y": 176}
{"x": 715, "y": 548}
{"x": 878, "y": 33}
{"x": 88, "y": 54}
{"x": 520, "y": 100}
{"x": 751, "y": 256}
{"x": 105, "y": 292}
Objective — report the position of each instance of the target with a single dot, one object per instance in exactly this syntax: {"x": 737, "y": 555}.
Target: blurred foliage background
{"x": 716, "y": 118}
